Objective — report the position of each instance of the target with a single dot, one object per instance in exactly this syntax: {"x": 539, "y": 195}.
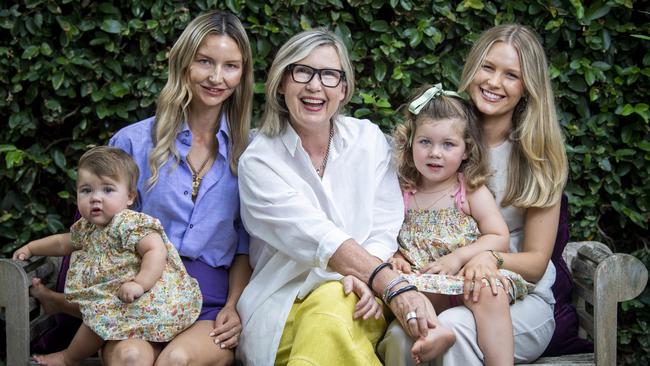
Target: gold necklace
{"x": 321, "y": 170}
{"x": 196, "y": 175}
{"x": 446, "y": 191}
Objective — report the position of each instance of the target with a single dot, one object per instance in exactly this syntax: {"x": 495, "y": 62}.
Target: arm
{"x": 540, "y": 230}
{"x": 154, "y": 258}
{"x": 53, "y": 245}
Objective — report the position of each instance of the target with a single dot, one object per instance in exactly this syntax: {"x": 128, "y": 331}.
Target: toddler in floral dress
{"x": 125, "y": 275}
{"x": 443, "y": 172}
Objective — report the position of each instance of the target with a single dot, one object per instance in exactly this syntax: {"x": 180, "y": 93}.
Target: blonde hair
{"x": 175, "y": 97}
{"x": 112, "y": 162}
{"x": 276, "y": 114}
{"x": 475, "y": 168}
{"x": 537, "y": 169}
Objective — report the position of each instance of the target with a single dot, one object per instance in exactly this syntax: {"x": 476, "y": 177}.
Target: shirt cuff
{"x": 381, "y": 250}
{"x": 328, "y": 245}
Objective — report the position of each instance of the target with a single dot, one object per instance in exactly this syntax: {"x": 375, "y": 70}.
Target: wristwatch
{"x": 498, "y": 257}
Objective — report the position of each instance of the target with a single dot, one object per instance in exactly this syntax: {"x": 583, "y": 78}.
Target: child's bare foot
{"x": 45, "y": 296}
{"x": 437, "y": 341}
{"x": 54, "y": 359}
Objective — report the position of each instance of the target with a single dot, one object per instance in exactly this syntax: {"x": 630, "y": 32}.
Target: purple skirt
{"x": 213, "y": 283}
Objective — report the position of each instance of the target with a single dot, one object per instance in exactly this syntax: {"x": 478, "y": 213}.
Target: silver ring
{"x": 411, "y": 315}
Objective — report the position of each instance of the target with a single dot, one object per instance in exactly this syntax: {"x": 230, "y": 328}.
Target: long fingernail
{"x": 211, "y": 334}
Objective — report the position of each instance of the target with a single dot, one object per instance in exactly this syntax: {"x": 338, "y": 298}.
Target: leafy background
{"x": 74, "y": 72}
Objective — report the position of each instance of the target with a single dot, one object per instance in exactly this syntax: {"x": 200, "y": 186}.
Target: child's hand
{"x": 400, "y": 263}
{"x": 22, "y": 254}
{"x": 129, "y": 291}
{"x": 367, "y": 307}
{"x": 449, "y": 264}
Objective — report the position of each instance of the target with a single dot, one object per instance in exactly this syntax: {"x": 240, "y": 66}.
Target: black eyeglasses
{"x": 303, "y": 74}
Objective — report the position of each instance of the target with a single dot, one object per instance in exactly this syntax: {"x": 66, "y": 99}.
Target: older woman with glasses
{"x": 322, "y": 204}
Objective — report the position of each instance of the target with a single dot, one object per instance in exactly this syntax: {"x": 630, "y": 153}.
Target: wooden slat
{"x": 584, "y": 290}
{"x": 583, "y": 269}
{"x": 595, "y": 253}
{"x": 567, "y": 360}
{"x": 586, "y": 321}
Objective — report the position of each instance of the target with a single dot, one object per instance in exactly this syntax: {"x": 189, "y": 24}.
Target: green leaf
{"x": 380, "y": 70}
{"x": 597, "y": 10}
{"x": 111, "y": 26}
{"x": 57, "y": 80}
{"x": 379, "y": 26}
{"x": 59, "y": 159}
{"x": 30, "y": 52}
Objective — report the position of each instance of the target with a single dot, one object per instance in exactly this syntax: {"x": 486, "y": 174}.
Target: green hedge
{"x": 74, "y": 72}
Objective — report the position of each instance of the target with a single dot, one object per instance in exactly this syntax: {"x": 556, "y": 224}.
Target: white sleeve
{"x": 388, "y": 210}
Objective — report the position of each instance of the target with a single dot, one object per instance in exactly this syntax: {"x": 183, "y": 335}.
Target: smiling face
{"x": 100, "y": 198}
{"x": 438, "y": 151}
{"x": 312, "y": 105}
{"x": 497, "y": 86}
{"x": 215, "y": 72}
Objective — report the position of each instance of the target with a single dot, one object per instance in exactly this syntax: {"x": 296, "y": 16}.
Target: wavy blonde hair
{"x": 175, "y": 98}
{"x": 538, "y": 164}
{"x": 474, "y": 168}
{"x": 276, "y": 114}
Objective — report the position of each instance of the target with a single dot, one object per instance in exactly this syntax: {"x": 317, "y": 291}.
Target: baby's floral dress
{"x": 107, "y": 257}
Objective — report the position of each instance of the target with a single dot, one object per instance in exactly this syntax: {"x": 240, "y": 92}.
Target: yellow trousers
{"x": 320, "y": 331}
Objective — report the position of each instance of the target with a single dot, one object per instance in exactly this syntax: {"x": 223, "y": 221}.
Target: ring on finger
{"x": 411, "y": 315}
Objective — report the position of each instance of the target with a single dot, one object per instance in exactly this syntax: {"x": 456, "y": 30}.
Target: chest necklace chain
{"x": 321, "y": 170}
{"x": 196, "y": 175}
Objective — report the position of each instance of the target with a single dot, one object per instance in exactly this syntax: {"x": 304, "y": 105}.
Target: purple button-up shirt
{"x": 209, "y": 229}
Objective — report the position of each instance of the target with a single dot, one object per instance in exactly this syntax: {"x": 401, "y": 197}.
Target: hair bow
{"x": 416, "y": 106}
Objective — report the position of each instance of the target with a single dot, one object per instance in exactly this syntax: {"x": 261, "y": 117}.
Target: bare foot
{"x": 437, "y": 341}
{"x": 54, "y": 359}
{"x": 45, "y": 296}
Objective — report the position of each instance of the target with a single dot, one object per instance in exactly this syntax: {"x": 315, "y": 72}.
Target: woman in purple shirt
{"x": 188, "y": 155}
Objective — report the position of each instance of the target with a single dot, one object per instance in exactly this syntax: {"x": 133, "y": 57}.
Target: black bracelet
{"x": 376, "y": 270}
{"x": 400, "y": 291}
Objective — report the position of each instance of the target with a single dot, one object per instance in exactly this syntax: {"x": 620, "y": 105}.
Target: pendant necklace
{"x": 196, "y": 175}
{"x": 321, "y": 170}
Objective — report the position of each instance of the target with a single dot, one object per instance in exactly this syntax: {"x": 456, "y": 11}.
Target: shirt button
{"x": 187, "y": 133}
{"x": 186, "y": 193}
{"x": 184, "y": 141}
{"x": 191, "y": 226}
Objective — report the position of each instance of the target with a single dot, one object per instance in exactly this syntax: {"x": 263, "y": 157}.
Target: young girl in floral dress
{"x": 125, "y": 275}
{"x": 443, "y": 172}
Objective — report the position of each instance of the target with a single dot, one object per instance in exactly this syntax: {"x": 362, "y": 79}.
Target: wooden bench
{"x": 601, "y": 281}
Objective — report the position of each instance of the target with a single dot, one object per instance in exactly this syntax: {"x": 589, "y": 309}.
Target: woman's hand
{"x": 130, "y": 291}
{"x": 227, "y": 328}
{"x": 22, "y": 254}
{"x": 409, "y": 302}
{"x": 449, "y": 264}
{"x": 482, "y": 265}
{"x": 367, "y": 306}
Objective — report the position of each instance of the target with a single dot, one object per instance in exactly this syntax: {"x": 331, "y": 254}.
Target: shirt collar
{"x": 291, "y": 140}
{"x": 223, "y": 135}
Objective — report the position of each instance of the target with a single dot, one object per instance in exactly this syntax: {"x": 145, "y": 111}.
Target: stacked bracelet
{"x": 400, "y": 291}
{"x": 389, "y": 287}
{"x": 376, "y": 270}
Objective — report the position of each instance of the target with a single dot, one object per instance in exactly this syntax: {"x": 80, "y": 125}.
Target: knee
{"x": 129, "y": 355}
{"x": 489, "y": 303}
{"x": 175, "y": 357}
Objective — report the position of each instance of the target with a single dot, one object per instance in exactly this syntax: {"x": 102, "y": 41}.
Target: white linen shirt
{"x": 297, "y": 221}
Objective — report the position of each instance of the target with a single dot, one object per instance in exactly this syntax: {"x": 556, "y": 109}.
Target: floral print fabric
{"x": 107, "y": 257}
{"x": 430, "y": 234}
